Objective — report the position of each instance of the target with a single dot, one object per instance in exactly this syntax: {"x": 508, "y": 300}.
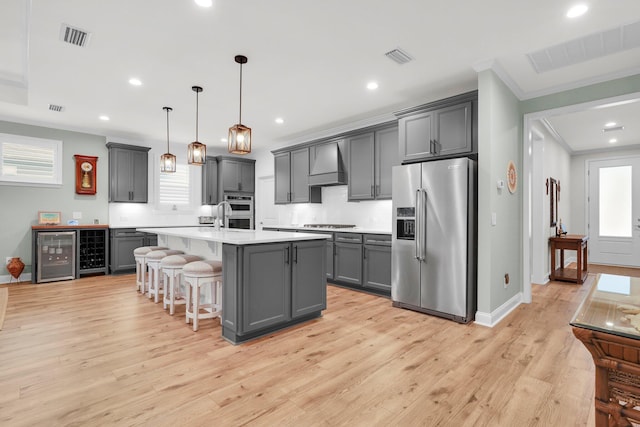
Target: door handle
{"x": 423, "y": 225}
{"x": 416, "y": 237}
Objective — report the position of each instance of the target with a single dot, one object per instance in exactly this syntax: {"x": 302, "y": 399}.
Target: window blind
{"x": 174, "y": 187}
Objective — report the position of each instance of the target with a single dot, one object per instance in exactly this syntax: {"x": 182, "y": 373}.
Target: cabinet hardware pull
{"x": 295, "y": 254}
{"x": 286, "y": 255}
{"x": 377, "y": 190}
{"x": 364, "y": 253}
{"x": 372, "y": 194}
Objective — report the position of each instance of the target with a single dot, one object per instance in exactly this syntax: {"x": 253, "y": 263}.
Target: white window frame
{"x": 173, "y": 207}
{"x": 31, "y": 142}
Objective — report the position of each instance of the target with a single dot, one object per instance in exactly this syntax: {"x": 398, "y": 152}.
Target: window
{"x": 615, "y": 209}
{"x": 174, "y": 189}
{"x": 30, "y": 161}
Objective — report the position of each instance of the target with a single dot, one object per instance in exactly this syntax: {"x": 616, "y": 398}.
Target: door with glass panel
{"x": 614, "y": 211}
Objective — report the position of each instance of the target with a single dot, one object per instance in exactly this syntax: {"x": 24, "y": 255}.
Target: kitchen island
{"x": 271, "y": 280}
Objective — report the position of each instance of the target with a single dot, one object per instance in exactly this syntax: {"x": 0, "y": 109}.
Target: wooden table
{"x": 573, "y": 242}
{"x": 614, "y": 343}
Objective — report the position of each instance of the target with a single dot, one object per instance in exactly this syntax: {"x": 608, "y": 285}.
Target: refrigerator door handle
{"x": 423, "y": 225}
{"x": 417, "y": 222}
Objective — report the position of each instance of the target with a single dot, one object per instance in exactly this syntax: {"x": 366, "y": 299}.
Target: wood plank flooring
{"x": 94, "y": 352}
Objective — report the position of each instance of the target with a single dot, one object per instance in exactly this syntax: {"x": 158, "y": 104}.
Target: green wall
{"x": 20, "y": 204}
{"x": 499, "y": 141}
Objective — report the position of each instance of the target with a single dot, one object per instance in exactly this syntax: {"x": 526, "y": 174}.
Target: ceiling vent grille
{"x": 57, "y": 108}
{"x": 399, "y": 56}
{"x": 612, "y": 129}
{"x": 586, "y": 48}
{"x": 74, "y": 36}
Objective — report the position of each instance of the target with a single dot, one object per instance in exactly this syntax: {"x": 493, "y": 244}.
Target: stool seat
{"x": 141, "y": 265}
{"x": 196, "y": 275}
{"x": 154, "y": 258}
{"x": 172, "y": 269}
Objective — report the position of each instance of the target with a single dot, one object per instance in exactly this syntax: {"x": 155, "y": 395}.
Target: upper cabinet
{"x": 371, "y": 158}
{"x": 441, "y": 129}
{"x": 128, "y": 173}
{"x": 236, "y": 175}
{"x": 292, "y": 178}
{"x": 210, "y": 181}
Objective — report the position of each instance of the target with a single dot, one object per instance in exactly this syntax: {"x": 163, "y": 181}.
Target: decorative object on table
{"x": 553, "y": 202}
{"x": 167, "y": 160}
{"x": 197, "y": 151}
{"x": 512, "y": 177}
{"x": 86, "y": 174}
{"x": 561, "y": 230}
{"x": 48, "y": 218}
{"x": 73, "y": 222}
{"x": 15, "y": 267}
{"x": 239, "y": 134}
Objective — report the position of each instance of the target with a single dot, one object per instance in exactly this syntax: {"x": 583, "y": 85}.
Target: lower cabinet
{"x": 377, "y": 267}
{"x": 123, "y": 242}
{"x": 348, "y": 261}
{"x": 268, "y": 286}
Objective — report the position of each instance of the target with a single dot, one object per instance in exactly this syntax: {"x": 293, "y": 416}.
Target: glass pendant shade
{"x": 167, "y": 163}
{"x": 239, "y": 139}
{"x": 197, "y": 151}
{"x": 240, "y": 135}
{"x": 167, "y": 160}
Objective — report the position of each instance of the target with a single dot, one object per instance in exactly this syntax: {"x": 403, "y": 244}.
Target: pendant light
{"x": 240, "y": 135}
{"x": 167, "y": 160}
{"x": 197, "y": 151}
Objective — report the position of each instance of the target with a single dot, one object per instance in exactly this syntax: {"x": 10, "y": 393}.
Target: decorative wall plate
{"x": 512, "y": 177}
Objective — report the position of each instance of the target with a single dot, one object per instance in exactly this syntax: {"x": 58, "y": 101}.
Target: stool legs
{"x": 193, "y": 290}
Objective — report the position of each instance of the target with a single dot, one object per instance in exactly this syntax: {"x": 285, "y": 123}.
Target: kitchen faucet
{"x": 227, "y": 211}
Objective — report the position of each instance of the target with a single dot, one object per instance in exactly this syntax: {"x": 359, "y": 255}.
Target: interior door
{"x": 614, "y": 211}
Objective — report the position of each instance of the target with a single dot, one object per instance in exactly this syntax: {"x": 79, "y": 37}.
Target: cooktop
{"x": 329, "y": 226}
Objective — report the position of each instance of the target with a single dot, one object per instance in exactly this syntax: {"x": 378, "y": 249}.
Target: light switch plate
{"x": 77, "y": 215}
{"x": 494, "y": 220}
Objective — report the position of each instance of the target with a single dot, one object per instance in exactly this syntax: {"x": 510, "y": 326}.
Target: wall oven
{"x": 242, "y": 211}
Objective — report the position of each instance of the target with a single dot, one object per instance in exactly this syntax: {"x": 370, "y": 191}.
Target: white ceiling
{"x": 309, "y": 61}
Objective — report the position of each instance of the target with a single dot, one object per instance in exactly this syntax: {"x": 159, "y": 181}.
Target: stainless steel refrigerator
{"x": 434, "y": 242}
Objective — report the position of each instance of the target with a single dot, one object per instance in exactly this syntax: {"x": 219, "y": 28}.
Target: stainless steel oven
{"x": 242, "y": 211}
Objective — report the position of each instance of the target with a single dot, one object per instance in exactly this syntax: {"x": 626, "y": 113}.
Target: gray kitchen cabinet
{"x": 210, "y": 181}
{"x": 330, "y": 254}
{"x": 377, "y": 262}
{"x": 308, "y": 287}
{"x": 440, "y": 129}
{"x": 236, "y": 175}
{"x": 371, "y": 159}
{"x": 128, "y": 173}
{"x": 122, "y": 243}
{"x": 271, "y": 285}
{"x": 291, "y": 178}
{"x": 348, "y": 258}
{"x": 266, "y": 305}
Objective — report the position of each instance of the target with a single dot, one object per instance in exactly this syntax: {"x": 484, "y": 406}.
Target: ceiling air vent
{"x": 586, "y": 48}
{"x": 399, "y": 56}
{"x": 605, "y": 130}
{"x": 57, "y": 108}
{"x": 74, "y": 36}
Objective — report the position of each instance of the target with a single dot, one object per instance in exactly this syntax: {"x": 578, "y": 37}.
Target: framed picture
{"x": 85, "y": 174}
{"x": 553, "y": 202}
{"x": 48, "y": 218}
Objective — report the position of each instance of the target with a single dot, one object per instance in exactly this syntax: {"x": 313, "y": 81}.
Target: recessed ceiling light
{"x": 279, "y": 120}
{"x": 204, "y": 3}
{"x": 372, "y": 85}
{"x": 577, "y": 10}
{"x": 104, "y": 118}
{"x": 135, "y": 82}
{"x": 613, "y": 141}
{"x": 610, "y": 124}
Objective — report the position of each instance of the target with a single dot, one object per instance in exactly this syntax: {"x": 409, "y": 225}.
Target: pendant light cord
{"x": 167, "y": 130}
{"x": 197, "y": 93}
{"x": 240, "y": 114}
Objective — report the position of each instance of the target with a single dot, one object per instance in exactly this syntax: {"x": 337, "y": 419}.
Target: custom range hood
{"x": 326, "y": 165}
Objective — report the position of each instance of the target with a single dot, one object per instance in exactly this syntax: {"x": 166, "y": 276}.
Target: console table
{"x": 606, "y": 324}
{"x": 573, "y": 242}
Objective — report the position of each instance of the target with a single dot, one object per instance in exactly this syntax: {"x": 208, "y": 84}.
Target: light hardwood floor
{"x": 94, "y": 352}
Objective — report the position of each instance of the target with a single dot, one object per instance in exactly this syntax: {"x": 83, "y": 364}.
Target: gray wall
{"x": 499, "y": 141}
{"x": 20, "y": 204}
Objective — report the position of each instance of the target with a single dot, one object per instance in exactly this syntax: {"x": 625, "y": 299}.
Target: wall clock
{"x": 85, "y": 174}
{"x": 512, "y": 177}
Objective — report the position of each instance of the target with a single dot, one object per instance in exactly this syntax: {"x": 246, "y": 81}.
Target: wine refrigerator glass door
{"x": 56, "y": 256}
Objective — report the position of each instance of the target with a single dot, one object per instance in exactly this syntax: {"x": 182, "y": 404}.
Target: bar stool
{"x": 196, "y": 275}
{"x": 154, "y": 258}
{"x": 140, "y": 255}
{"x": 171, "y": 270}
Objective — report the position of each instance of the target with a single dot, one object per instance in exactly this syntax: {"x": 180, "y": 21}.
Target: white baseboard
{"x": 493, "y": 318}
{"x": 26, "y": 277}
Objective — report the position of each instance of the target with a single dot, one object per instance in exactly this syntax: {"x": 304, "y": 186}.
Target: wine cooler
{"x": 56, "y": 256}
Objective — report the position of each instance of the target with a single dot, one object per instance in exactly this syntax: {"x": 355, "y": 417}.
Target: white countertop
{"x": 233, "y": 237}
{"x": 360, "y": 230}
